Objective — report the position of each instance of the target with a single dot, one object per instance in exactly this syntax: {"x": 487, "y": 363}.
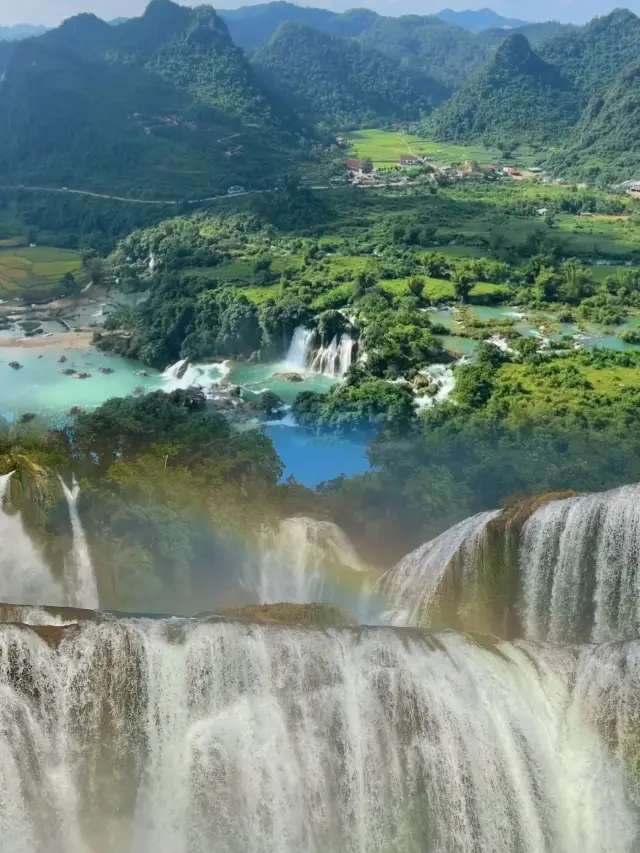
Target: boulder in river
{"x": 289, "y": 377}
{"x": 106, "y": 370}
{"x": 15, "y": 365}
{"x": 62, "y": 359}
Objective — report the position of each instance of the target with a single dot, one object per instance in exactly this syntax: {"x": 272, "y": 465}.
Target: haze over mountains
{"x": 185, "y": 103}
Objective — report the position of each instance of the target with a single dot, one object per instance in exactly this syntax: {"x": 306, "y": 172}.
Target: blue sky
{"x": 51, "y": 12}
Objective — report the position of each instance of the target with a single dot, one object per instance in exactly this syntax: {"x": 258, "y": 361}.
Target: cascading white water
{"x": 410, "y": 587}
{"x": 345, "y": 356}
{"x": 334, "y": 359}
{"x": 218, "y": 737}
{"x": 580, "y": 567}
{"x": 300, "y": 348}
{"x": 24, "y": 575}
{"x": 443, "y": 377}
{"x": 183, "y": 375}
{"x": 303, "y": 561}
{"x": 82, "y": 585}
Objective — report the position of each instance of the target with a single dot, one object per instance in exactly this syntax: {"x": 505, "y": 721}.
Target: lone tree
{"x": 463, "y": 280}
{"x": 69, "y": 285}
{"x": 271, "y": 404}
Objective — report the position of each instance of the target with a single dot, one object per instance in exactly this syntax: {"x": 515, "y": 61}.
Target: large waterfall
{"x": 304, "y": 560}
{"x": 82, "y": 588}
{"x": 334, "y": 359}
{"x": 24, "y": 575}
{"x": 580, "y": 565}
{"x": 217, "y": 737}
{"x": 573, "y": 566}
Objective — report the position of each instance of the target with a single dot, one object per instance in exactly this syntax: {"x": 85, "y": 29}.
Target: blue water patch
{"x": 311, "y": 459}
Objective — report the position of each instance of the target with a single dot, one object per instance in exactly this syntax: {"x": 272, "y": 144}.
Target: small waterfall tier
{"x": 306, "y": 560}
{"x": 82, "y": 585}
{"x": 412, "y": 586}
{"x": 334, "y": 359}
{"x": 563, "y": 568}
{"x": 122, "y": 736}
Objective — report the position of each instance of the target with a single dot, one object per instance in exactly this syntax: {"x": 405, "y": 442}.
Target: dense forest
{"x": 186, "y": 104}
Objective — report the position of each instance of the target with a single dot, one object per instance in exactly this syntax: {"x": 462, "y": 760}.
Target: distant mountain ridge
{"x": 20, "y": 31}
{"x": 476, "y": 20}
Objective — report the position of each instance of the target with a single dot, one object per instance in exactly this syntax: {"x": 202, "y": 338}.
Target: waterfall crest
{"x": 82, "y": 585}
{"x": 24, "y": 576}
{"x": 218, "y": 737}
{"x": 410, "y": 588}
{"x": 303, "y": 561}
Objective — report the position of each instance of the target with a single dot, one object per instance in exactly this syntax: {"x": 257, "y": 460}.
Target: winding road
{"x": 167, "y": 202}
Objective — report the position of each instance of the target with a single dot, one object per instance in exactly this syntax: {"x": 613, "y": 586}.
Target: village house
{"x": 409, "y": 160}
{"x": 352, "y": 164}
{"x": 513, "y": 173}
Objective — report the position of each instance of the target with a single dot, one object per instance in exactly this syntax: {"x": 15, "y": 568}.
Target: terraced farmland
{"x": 35, "y": 272}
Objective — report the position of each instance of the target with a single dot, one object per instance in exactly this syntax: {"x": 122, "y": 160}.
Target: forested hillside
{"x": 148, "y": 107}
{"x": 605, "y": 142}
{"x": 517, "y": 96}
{"x": 342, "y": 82}
{"x": 593, "y": 55}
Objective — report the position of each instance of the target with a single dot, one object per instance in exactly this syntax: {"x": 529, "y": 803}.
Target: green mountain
{"x": 252, "y": 27}
{"x": 146, "y": 108}
{"x": 425, "y": 43}
{"x": 515, "y": 97}
{"x": 476, "y": 20}
{"x": 591, "y": 57}
{"x": 535, "y": 34}
{"x": 442, "y": 51}
{"x": 343, "y": 83}
{"x": 605, "y": 145}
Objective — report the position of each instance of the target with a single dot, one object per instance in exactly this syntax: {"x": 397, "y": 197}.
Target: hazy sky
{"x": 51, "y": 12}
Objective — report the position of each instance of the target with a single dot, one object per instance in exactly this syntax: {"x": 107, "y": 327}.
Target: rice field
{"x": 37, "y": 270}
{"x": 385, "y": 147}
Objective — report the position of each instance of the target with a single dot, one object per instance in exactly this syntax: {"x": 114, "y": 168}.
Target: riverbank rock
{"x": 106, "y": 370}
{"x": 27, "y": 417}
{"x": 312, "y": 615}
{"x": 15, "y": 365}
{"x": 288, "y": 377}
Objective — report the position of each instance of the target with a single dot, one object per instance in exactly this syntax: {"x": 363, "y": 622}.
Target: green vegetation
{"x": 146, "y": 109}
{"x": 384, "y": 148}
{"x": 343, "y": 83}
{"x": 166, "y": 488}
{"x": 36, "y": 272}
{"x": 517, "y": 96}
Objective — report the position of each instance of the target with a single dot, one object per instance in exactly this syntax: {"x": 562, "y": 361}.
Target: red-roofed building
{"x": 508, "y": 170}
{"x": 352, "y": 164}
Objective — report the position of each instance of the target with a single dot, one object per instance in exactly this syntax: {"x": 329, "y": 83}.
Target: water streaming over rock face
{"x": 300, "y": 348}
{"x": 331, "y": 360}
{"x": 24, "y": 576}
{"x": 216, "y": 737}
{"x": 334, "y": 359}
{"x": 81, "y": 583}
{"x": 303, "y": 561}
{"x": 411, "y": 586}
{"x": 580, "y": 567}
